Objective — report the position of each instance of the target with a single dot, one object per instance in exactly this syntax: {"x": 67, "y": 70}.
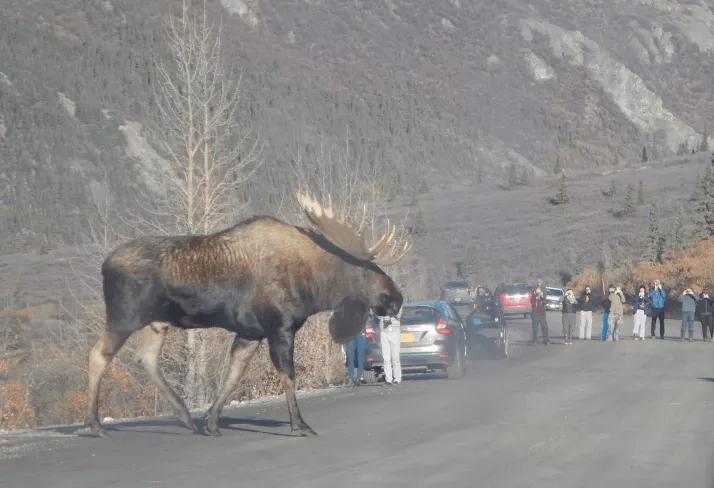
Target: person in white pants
{"x": 390, "y": 340}
{"x": 639, "y": 309}
{"x": 587, "y": 305}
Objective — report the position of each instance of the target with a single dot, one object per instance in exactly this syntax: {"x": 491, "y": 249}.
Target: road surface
{"x": 592, "y": 414}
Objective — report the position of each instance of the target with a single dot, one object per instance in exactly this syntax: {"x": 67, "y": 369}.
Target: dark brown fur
{"x": 260, "y": 279}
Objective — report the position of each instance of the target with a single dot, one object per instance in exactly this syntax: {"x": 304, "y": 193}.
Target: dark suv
{"x": 456, "y": 291}
{"x": 515, "y": 299}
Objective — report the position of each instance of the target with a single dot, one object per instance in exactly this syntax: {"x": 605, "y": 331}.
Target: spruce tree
{"x": 558, "y": 167}
{"x": 677, "y": 242}
{"x": 562, "y": 196}
{"x": 653, "y": 239}
{"x": 512, "y": 176}
{"x": 469, "y": 266}
{"x": 419, "y": 228}
{"x": 629, "y": 205}
{"x": 613, "y": 189}
{"x": 703, "y": 217}
{"x": 644, "y": 154}
{"x": 704, "y": 146}
{"x": 697, "y": 189}
{"x": 640, "y": 195}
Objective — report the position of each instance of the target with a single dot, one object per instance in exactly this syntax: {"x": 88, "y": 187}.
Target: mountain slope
{"x": 422, "y": 91}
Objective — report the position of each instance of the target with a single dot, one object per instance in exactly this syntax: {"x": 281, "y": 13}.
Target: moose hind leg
{"x": 241, "y": 353}
{"x": 99, "y": 357}
{"x": 282, "y": 347}
{"x": 151, "y": 340}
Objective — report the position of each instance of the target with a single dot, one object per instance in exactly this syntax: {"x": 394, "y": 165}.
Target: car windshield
{"x": 514, "y": 289}
{"x": 555, "y": 291}
{"x": 417, "y": 315}
{"x": 456, "y": 284}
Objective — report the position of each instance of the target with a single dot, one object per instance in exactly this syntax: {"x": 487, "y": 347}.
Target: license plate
{"x": 406, "y": 337}
{"x": 457, "y": 299}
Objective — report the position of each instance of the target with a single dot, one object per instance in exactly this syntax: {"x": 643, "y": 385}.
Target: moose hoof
{"x": 211, "y": 428}
{"x": 304, "y": 431}
{"x": 186, "y": 422}
{"x": 96, "y": 429}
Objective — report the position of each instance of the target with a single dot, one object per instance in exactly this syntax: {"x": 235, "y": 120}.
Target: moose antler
{"x": 346, "y": 237}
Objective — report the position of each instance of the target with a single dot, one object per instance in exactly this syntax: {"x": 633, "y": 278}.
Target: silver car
{"x": 554, "y": 298}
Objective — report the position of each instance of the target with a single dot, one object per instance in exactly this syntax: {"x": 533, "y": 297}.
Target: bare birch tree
{"x": 209, "y": 155}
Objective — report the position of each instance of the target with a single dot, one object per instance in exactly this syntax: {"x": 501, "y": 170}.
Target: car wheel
{"x": 457, "y": 369}
{"x": 370, "y": 376}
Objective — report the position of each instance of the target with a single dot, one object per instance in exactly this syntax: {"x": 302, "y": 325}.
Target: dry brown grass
{"x": 692, "y": 268}
{"x": 47, "y": 386}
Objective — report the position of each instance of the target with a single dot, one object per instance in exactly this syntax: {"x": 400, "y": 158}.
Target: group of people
{"x": 646, "y": 303}
{"x": 390, "y": 343}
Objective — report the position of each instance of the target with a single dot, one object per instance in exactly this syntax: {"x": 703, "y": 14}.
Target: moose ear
{"x": 348, "y": 319}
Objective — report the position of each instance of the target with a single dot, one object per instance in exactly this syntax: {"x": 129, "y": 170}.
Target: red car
{"x": 515, "y": 299}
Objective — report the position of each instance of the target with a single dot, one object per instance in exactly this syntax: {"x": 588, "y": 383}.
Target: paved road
{"x": 636, "y": 414}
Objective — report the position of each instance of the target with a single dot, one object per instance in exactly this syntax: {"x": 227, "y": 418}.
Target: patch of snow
{"x": 67, "y": 104}
{"x": 447, "y": 25}
{"x": 247, "y": 10}
{"x": 637, "y": 102}
{"x": 139, "y": 149}
{"x": 695, "y": 21}
{"x": 539, "y": 68}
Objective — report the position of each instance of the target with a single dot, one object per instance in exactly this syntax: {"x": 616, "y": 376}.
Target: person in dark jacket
{"x": 587, "y": 305}
{"x": 658, "y": 295}
{"x": 705, "y": 315}
{"x": 606, "y": 306}
{"x": 689, "y": 300}
{"x": 538, "y": 315}
{"x": 640, "y": 305}
{"x": 570, "y": 305}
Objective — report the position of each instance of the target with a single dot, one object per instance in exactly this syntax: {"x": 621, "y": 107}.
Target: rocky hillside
{"x": 428, "y": 92}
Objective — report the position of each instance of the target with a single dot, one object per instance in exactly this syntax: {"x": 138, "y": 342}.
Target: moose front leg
{"x": 282, "y": 346}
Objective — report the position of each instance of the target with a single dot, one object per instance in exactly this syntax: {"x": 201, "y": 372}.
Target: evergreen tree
{"x": 704, "y": 146}
{"x": 677, "y": 241}
{"x": 629, "y": 205}
{"x": 703, "y": 217}
{"x": 419, "y": 228}
{"x": 558, "y": 167}
{"x": 644, "y": 154}
{"x": 697, "y": 189}
{"x": 469, "y": 266}
{"x": 562, "y": 196}
{"x": 682, "y": 149}
{"x": 640, "y": 195}
{"x": 525, "y": 178}
{"x": 479, "y": 174}
{"x": 613, "y": 189}
{"x": 512, "y": 176}
{"x": 653, "y": 239}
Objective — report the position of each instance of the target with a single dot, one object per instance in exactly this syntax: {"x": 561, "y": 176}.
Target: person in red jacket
{"x": 538, "y": 315}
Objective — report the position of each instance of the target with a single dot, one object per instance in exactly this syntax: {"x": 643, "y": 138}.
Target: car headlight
{"x": 496, "y": 319}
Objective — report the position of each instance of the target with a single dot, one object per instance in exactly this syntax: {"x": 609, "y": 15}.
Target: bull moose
{"x": 261, "y": 279}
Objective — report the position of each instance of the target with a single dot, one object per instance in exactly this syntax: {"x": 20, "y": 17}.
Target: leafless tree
{"x": 209, "y": 154}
